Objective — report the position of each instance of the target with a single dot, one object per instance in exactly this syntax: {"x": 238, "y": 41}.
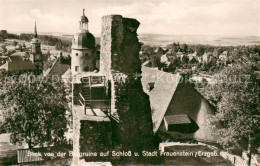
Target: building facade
{"x": 83, "y": 49}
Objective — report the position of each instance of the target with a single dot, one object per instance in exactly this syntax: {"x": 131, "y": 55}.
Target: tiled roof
{"x": 58, "y": 68}
{"x": 162, "y": 93}
{"x": 19, "y": 54}
{"x": 45, "y": 57}
{"x": 67, "y": 76}
{"x": 18, "y": 66}
{"x": 16, "y": 58}
{"x": 177, "y": 119}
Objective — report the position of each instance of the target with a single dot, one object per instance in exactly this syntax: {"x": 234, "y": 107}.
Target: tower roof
{"x": 83, "y": 40}
{"x": 84, "y": 19}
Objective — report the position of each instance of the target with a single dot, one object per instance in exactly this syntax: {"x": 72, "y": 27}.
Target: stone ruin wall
{"x": 119, "y": 50}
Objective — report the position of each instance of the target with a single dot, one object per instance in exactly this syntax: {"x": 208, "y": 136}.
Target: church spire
{"x": 35, "y": 31}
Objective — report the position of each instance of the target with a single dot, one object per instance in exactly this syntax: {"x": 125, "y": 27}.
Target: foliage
{"x": 3, "y": 47}
{"x": 15, "y": 43}
{"x": 6, "y": 35}
{"x": 171, "y": 68}
{"x": 159, "y": 64}
{"x": 34, "y": 110}
{"x": 236, "y": 97}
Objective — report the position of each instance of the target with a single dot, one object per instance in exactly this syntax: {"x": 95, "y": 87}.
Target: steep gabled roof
{"x": 18, "y": 66}
{"x": 161, "y": 94}
{"x": 18, "y": 56}
{"x": 58, "y": 68}
{"x": 67, "y": 76}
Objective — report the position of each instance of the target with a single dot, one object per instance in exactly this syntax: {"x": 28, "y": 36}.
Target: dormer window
{"x": 181, "y": 123}
{"x": 150, "y": 86}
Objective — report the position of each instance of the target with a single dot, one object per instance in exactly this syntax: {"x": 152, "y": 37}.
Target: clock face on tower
{"x": 37, "y": 57}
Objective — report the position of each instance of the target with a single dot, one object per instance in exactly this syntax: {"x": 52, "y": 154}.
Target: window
{"x": 77, "y": 54}
{"x": 76, "y": 68}
{"x": 86, "y": 54}
{"x": 86, "y": 68}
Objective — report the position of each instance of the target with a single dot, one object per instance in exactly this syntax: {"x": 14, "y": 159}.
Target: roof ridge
{"x": 52, "y": 67}
{"x": 157, "y": 116}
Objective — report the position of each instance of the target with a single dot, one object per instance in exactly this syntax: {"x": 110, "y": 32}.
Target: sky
{"x": 172, "y": 17}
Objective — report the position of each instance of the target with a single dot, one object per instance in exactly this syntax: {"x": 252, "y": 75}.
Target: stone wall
{"x": 119, "y": 57}
{"x": 119, "y": 45}
{"x": 119, "y": 50}
{"x": 76, "y": 90}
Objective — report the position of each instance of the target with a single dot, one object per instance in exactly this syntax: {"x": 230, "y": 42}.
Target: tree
{"x": 158, "y": 63}
{"x": 200, "y": 50}
{"x": 193, "y": 61}
{"x": 4, "y": 48}
{"x": 15, "y": 43}
{"x": 237, "y": 119}
{"x": 176, "y": 62}
{"x": 185, "y": 48}
{"x": 185, "y": 59}
{"x": 171, "y": 68}
{"x": 34, "y": 110}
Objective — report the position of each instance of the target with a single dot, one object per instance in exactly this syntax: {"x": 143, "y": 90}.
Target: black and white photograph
{"x": 130, "y": 82}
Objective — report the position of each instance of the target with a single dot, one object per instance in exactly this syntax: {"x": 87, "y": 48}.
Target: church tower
{"x": 83, "y": 49}
{"x": 36, "y": 53}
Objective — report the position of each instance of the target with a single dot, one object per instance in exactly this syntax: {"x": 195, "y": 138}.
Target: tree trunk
{"x": 30, "y": 144}
{"x": 30, "y": 138}
{"x": 249, "y": 151}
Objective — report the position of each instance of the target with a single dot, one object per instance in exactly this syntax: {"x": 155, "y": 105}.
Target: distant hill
{"x": 163, "y": 40}
{"x": 69, "y": 38}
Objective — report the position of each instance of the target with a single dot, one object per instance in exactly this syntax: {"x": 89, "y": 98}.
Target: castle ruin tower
{"x": 36, "y": 53}
{"x": 121, "y": 65}
{"x": 119, "y": 56}
{"x": 83, "y": 48}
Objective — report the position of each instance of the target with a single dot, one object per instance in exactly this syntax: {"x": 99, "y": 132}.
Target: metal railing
{"x": 102, "y": 104}
{"x": 91, "y": 104}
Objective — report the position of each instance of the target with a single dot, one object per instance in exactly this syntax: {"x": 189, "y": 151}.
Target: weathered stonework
{"x": 119, "y": 50}
{"x": 119, "y": 61}
{"x": 119, "y": 45}
{"x": 76, "y": 90}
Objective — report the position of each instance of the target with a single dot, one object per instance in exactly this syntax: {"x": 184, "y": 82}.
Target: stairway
{"x": 86, "y": 92}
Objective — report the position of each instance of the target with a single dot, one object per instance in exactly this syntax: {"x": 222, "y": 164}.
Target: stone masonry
{"x": 119, "y": 50}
